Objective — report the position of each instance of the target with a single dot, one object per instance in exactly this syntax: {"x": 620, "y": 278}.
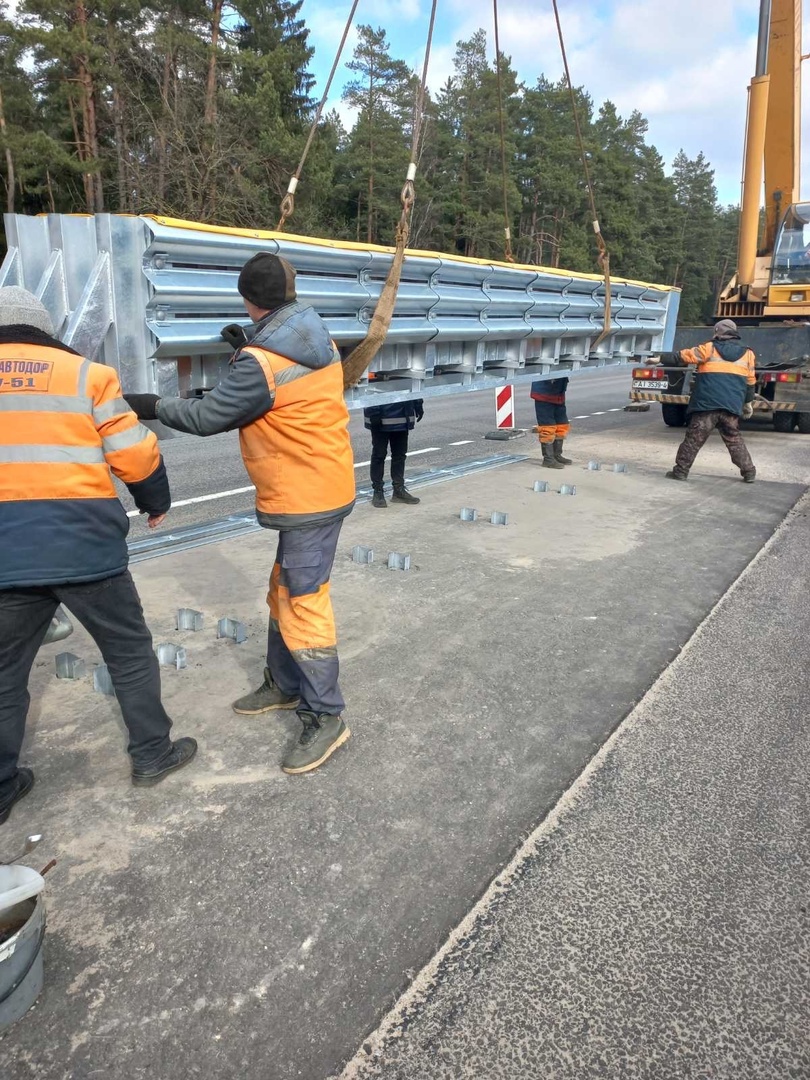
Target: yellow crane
{"x": 773, "y": 271}
{"x": 769, "y": 295}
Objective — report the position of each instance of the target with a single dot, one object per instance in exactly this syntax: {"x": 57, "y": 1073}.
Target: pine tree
{"x": 378, "y": 147}
{"x": 698, "y": 242}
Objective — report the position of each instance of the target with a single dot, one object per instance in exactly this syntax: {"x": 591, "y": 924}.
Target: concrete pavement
{"x": 235, "y": 922}
{"x": 656, "y": 924}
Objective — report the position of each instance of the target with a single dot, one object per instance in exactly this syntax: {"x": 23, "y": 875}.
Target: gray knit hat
{"x": 725, "y": 330}
{"x": 19, "y": 307}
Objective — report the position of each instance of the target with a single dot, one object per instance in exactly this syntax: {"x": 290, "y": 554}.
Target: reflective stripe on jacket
{"x": 64, "y": 426}
{"x": 299, "y": 455}
{"x": 398, "y": 416}
{"x": 550, "y": 390}
{"x": 725, "y": 378}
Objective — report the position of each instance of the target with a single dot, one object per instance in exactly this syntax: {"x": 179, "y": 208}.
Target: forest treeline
{"x": 199, "y": 109}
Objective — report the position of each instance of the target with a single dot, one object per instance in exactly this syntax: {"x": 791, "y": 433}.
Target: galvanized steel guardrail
{"x": 149, "y": 296}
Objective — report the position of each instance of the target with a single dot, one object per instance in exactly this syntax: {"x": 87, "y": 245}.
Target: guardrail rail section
{"x": 149, "y": 296}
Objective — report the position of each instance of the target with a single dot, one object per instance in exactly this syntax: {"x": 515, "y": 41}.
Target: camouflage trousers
{"x": 701, "y": 425}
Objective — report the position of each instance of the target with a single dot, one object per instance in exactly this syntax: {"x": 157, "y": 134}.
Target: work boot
{"x": 267, "y": 697}
{"x": 558, "y": 453}
{"x": 21, "y": 785}
{"x": 181, "y": 753}
{"x": 401, "y": 494}
{"x": 750, "y": 476}
{"x": 378, "y": 499}
{"x": 676, "y": 474}
{"x": 322, "y": 735}
{"x": 549, "y": 460}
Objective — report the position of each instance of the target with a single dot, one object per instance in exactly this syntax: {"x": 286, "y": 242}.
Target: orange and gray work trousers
{"x": 552, "y": 421}
{"x": 302, "y": 654}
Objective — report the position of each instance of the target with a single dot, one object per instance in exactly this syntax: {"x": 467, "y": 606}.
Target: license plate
{"x": 650, "y": 384}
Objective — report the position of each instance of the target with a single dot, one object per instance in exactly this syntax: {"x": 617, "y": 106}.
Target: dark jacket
{"x": 725, "y": 378}
{"x": 64, "y": 428}
{"x": 284, "y": 392}
{"x": 399, "y": 416}
{"x": 550, "y": 390}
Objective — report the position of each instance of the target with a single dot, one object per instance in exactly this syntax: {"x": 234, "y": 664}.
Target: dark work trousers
{"x": 380, "y": 440}
{"x": 302, "y": 654}
{"x": 701, "y": 425}
{"x": 110, "y": 610}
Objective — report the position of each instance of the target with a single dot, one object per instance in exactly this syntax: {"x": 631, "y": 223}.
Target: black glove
{"x": 143, "y": 405}
{"x": 235, "y": 335}
{"x": 420, "y": 411}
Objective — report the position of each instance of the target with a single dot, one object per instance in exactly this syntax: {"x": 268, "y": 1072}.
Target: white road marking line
{"x": 427, "y": 450}
{"x": 598, "y": 414}
{"x": 615, "y": 410}
{"x": 462, "y": 442}
{"x": 202, "y": 499}
{"x": 233, "y": 491}
{"x": 582, "y": 417}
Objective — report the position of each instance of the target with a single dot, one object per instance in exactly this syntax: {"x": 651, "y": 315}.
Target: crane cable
{"x": 603, "y": 257}
{"x": 507, "y": 231}
{"x": 288, "y": 202}
{"x": 358, "y": 360}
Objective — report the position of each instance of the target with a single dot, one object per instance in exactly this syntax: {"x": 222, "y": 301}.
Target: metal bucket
{"x": 21, "y": 968}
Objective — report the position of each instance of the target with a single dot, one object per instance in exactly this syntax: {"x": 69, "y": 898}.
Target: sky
{"x": 684, "y": 64}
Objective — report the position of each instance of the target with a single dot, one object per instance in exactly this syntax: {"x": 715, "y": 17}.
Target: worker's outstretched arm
{"x": 696, "y": 355}
{"x": 246, "y": 393}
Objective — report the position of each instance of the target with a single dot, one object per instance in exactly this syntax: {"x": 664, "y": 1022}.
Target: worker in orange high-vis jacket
{"x": 64, "y": 428}
{"x": 284, "y": 392}
{"x": 722, "y": 393}
{"x": 552, "y": 420}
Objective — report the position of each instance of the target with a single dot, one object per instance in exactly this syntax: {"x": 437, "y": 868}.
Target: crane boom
{"x": 769, "y": 269}
{"x": 783, "y": 128}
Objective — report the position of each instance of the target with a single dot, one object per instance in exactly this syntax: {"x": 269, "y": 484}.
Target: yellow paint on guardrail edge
{"x": 350, "y": 245}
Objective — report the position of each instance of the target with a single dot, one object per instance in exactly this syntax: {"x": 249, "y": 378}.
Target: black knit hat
{"x": 268, "y": 281}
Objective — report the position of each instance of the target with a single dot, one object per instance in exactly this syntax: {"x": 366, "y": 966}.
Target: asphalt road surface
{"x": 209, "y": 481}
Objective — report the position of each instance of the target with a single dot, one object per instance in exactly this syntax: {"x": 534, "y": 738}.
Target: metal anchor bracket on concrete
{"x": 60, "y": 628}
{"x": 362, "y": 555}
{"x": 498, "y": 517}
{"x": 233, "y": 629}
{"x": 69, "y": 666}
{"x": 171, "y": 655}
{"x": 568, "y": 489}
{"x": 620, "y": 467}
{"x": 398, "y": 561}
{"x": 102, "y": 683}
{"x": 594, "y": 466}
{"x": 189, "y": 619}
{"x": 467, "y": 513}
{"x": 541, "y": 485}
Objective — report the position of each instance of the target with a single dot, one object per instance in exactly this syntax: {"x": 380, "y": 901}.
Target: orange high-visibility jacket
{"x": 725, "y": 378}
{"x": 64, "y": 428}
{"x": 284, "y": 391}
{"x": 299, "y": 455}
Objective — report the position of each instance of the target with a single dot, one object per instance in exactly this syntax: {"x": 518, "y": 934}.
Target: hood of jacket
{"x": 730, "y": 351}
{"x": 297, "y": 332}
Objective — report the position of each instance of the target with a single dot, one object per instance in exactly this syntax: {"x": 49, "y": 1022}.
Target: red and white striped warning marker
{"x": 505, "y": 407}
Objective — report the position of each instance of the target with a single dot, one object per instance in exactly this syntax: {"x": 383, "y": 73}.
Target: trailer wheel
{"x": 803, "y": 422}
{"x": 784, "y": 421}
{"x": 674, "y": 415}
